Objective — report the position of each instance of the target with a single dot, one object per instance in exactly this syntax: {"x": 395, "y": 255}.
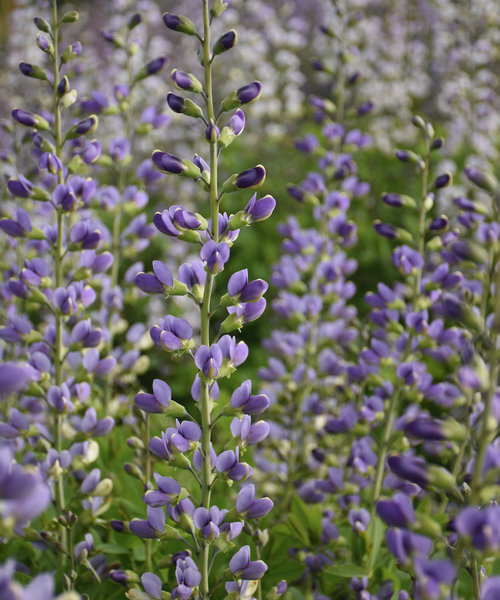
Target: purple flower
{"x": 179, "y": 222}
{"x": 20, "y": 187}
{"x": 64, "y": 197}
{"x": 15, "y": 377}
{"x": 209, "y": 360}
{"x": 250, "y": 507}
{"x": 412, "y": 468}
{"x": 404, "y": 544}
{"x": 259, "y": 210}
{"x": 167, "y": 492}
{"x": 188, "y": 577}
{"x": 19, "y": 227}
{"x": 119, "y": 149}
{"x": 228, "y": 462}
{"x": 50, "y": 162}
{"x": 407, "y": 260}
{"x": 359, "y": 519}
{"x": 156, "y": 402}
{"x": 243, "y": 401}
{"x": 241, "y": 566}
{"x": 397, "y": 512}
{"x": 173, "y": 333}
{"x": 249, "y": 433}
{"x": 215, "y": 255}
{"x": 159, "y": 282}
{"x": 490, "y": 590}
{"x": 152, "y": 585}
{"x": 186, "y": 81}
{"x": 432, "y": 576}
{"x": 482, "y": 526}
{"x": 152, "y": 527}
{"x": 241, "y": 290}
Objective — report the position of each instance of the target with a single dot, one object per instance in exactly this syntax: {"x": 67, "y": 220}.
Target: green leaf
{"x": 297, "y": 529}
{"x": 114, "y": 549}
{"x": 377, "y": 530}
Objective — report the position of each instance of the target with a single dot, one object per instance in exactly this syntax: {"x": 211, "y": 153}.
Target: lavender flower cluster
{"x": 143, "y": 452}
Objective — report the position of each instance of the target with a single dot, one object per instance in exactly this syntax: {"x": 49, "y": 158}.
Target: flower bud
{"x": 443, "y": 180}
{"x": 179, "y": 23}
{"x": 243, "y": 95}
{"x": 134, "y": 21}
{"x": 486, "y": 181}
{"x": 218, "y": 7}
{"x": 29, "y": 119}
{"x": 225, "y": 42}
{"x": 70, "y": 17}
{"x": 184, "y": 106}
{"x": 85, "y": 127}
{"x": 186, "y": 81}
{"x": 32, "y": 71}
{"x": 168, "y": 163}
{"x": 42, "y": 24}
{"x": 249, "y": 179}
{"x": 151, "y": 68}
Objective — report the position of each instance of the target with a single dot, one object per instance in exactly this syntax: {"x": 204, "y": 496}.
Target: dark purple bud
{"x": 486, "y": 181}
{"x": 155, "y": 65}
{"x": 176, "y": 103}
{"x": 168, "y": 163}
{"x": 385, "y": 230}
{"x": 134, "y": 21}
{"x": 251, "y": 178}
{"x": 249, "y": 93}
{"x": 179, "y": 23}
{"x": 32, "y": 71}
{"x": 443, "y": 180}
{"x": 86, "y": 126}
{"x": 439, "y": 223}
{"x": 24, "y": 117}
{"x": 437, "y": 143}
{"x": 365, "y": 108}
{"x": 225, "y": 42}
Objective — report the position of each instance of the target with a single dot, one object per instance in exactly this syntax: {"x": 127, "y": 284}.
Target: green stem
{"x": 58, "y": 353}
{"x": 384, "y": 447}
{"x": 205, "y": 402}
{"x": 475, "y": 580}
{"x": 421, "y": 215}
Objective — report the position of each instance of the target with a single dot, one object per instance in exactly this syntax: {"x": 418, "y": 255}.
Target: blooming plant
{"x": 145, "y": 451}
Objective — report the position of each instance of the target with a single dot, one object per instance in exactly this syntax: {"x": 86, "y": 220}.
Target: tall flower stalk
{"x": 204, "y": 529}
